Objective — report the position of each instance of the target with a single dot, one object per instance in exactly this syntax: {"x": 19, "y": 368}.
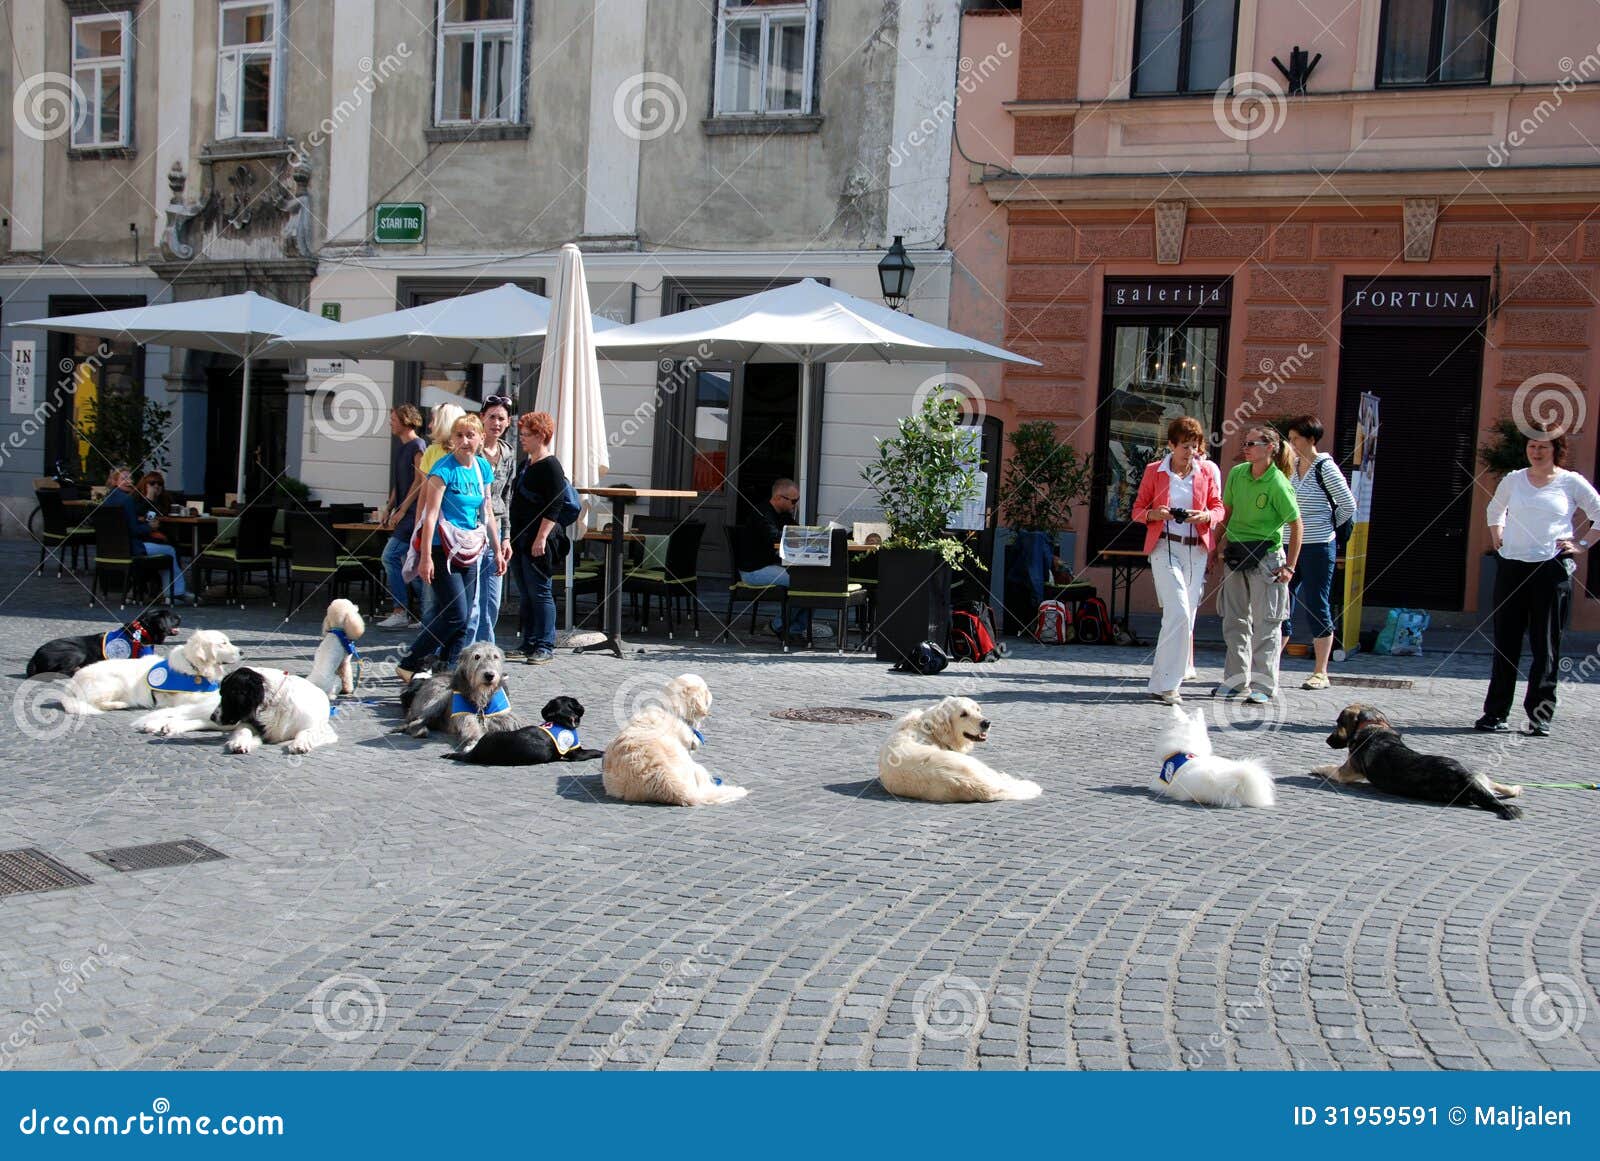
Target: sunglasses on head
{"x": 499, "y": 401}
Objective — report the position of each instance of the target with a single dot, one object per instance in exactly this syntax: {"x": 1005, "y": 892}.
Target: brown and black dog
{"x": 1377, "y": 755}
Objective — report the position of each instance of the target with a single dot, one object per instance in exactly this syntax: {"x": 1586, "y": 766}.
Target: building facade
{"x": 355, "y": 157}
{"x": 1173, "y": 224}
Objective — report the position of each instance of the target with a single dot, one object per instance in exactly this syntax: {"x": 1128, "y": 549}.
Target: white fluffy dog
{"x": 187, "y": 677}
{"x": 1191, "y": 772}
{"x": 275, "y": 706}
{"x": 651, "y": 759}
{"x": 333, "y": 668}
{"x": 928, "y": 757}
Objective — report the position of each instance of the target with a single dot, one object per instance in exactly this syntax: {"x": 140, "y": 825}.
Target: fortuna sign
{"x": 400, "y": 223}
{"x": 1422, "y": 301}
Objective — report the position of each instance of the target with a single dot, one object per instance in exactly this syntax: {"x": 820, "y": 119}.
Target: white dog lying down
{"x": 275, "y": 706}
{"x": 649, "y": 761}
{"x": 927, "y": 757}
{"x": 187, "y": 677}
{"x": 1190, "y": 772}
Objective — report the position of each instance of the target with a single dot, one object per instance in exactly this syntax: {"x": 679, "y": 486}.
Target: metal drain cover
{"x": 146, "y": 858}
{"x": 832, "y": 715}
{"x": 30, "y": 869}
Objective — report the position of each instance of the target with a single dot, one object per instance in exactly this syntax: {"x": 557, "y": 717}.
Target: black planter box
{"x": 913, "y": 601}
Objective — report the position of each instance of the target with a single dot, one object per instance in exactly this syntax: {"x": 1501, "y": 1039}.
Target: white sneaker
{"x": 396, "y": 621}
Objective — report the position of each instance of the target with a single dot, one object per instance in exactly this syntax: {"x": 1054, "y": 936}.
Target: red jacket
{"x": 1153, "y": 491}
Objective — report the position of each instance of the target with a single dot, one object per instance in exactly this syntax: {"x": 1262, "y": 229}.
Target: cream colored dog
{"x": 333, "y": 668}
{"x": 186, "y": 678}
{"x": 651, "y": 759}
{"x": 927, "y": 757}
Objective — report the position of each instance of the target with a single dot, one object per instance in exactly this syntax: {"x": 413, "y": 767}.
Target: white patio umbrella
{"x": 240, "y": 325}
{"x": 806, "y": 323}
{"x": 569, "y": 388}
{"x": 504, "y": 325}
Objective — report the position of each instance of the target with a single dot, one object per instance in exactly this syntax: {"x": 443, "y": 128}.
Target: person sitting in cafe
{"x": 142, "y": 521}
{"x": 758, "y": 562}
{"x": 153, "y": 487}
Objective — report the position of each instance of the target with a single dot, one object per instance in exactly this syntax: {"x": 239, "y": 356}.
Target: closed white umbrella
{"x": 241, "y": 325}
{"x": 806, "y": 323}
{"x": 569, "y": 389}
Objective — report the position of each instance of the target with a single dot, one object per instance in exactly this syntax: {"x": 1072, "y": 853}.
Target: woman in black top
{"x": 538, "y": 543}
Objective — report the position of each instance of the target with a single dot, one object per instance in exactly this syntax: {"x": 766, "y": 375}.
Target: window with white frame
{"x": 479, "y": 62}
{"x": 102, "y": 57}
{"x": 249, "y": 68}
{"x": 766, "y": 57}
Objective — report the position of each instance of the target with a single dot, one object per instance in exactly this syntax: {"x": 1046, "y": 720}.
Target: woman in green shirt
{"x": 1258, "y": 504}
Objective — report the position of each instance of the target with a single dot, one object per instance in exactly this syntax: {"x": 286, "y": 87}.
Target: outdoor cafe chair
{"x": 61, "y": 533}
{"x": 248, "y": 553}
{"x": 825, "y": 588}
{"x": 676, "y": 580}
{"x": 117, "y": 559}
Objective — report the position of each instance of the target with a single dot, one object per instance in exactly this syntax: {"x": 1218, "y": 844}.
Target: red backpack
{"x": 972, "y": 636}
{"x": 1052, "y": 625}
{"x": 1094, "y": 621}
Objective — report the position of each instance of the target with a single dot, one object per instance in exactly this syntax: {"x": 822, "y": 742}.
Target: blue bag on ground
{"x": 1402, "y": 631}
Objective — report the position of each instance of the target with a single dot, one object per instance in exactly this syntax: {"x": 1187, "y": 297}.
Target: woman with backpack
{"x": 1327, "y": 512}
{"x": 538, "y": 539}
{"x": 1179, "y": 501}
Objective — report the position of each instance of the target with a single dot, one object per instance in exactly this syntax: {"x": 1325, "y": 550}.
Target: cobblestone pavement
{"x": 380, "y": 907}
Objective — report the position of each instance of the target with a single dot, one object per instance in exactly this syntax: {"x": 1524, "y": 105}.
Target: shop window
{"x": 249, "y": 72}
{"x": 766, "y": 57}
{"x": 102, "y": 59}
{"x": 479, "y": 62}
{"x": 1436, "y": 42}
{"x": 1183, "y": 46}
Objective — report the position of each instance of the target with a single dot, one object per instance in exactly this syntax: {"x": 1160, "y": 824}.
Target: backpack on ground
{"x": 1093, "y": 623}
{"x": 1052, "y": 625}
{"x": 972, "y": 636}
{"x": 926, "y": 659}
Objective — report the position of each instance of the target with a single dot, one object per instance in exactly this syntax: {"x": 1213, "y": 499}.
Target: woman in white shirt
{"x": 1531, "y": 521}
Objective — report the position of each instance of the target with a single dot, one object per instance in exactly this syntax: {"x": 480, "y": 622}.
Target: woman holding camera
{"x": 1258, "y": 504}
{"x": 1531, "y": 528}
{"x": 1178, "y": 503}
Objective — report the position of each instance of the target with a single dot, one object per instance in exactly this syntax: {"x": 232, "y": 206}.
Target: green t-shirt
{"x": 1261, "y": 507}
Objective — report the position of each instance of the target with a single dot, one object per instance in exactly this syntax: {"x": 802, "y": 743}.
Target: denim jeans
{"x": 538, "y": 602}
{"x": 485, "y": 613}
{"x": 1311, "y": 591}
{"x": 394, "y": 557}
{"x": 444, "y": 630}
{"x": 176, "y": 588}
{"x": 776, "y": 574}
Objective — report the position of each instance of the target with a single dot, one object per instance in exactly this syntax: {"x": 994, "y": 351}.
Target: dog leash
{"x": 1563, "y": 785}
{"x": 354, "y": 654}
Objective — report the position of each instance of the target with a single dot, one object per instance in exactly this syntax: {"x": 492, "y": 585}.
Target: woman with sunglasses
{"x": 496, "y": 417}
{"x": 1258, "y": 504}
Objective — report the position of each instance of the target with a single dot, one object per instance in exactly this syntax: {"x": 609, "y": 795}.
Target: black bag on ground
{"x": 927, "y": 659}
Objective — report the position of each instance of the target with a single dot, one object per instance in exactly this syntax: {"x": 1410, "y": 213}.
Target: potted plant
{"x": 124, "y": 429}
{"x": 921, "y": 476}
{"x": 1043, "y": 480}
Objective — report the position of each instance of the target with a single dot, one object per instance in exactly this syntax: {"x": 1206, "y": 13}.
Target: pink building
{"x": 1152, "y": 208}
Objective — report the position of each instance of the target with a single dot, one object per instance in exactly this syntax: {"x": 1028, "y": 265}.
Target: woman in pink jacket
{"x": 1179, "y": 501}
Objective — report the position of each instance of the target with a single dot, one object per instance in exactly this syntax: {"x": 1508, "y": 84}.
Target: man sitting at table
{"x": 142, "y": 527}
{"x": 758, "y": 563}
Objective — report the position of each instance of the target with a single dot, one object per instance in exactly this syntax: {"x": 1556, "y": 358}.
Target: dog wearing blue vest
{"x": 1190, "y": 771}
{"x": 468, "y": 703}
{"x": 554, "y": 739}
{"x": 188, "y": 676}
{"x": 67, "y": 655}
{"x": 333, "y": 669}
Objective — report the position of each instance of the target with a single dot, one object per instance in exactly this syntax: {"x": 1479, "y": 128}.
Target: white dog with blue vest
{"x": 1191, "y": 772}
{"x": 186, "y": 679}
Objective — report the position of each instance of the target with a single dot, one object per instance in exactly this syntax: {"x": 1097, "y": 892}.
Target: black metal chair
{"x": 117, "y": 558}
{"x": 752, "y": 595}
{"x": 825, "y": 588}
{"x": 864, "y": 572}
{"x": 61, "y": 531}
{"x": 678, "y": 579}
{"x": 588, "y": 576}
{"x": 249, "y": 552}
{"x": 320, "y": 558}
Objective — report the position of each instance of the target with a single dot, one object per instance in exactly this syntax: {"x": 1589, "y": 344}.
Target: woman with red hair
{"x": 538, "y": 543}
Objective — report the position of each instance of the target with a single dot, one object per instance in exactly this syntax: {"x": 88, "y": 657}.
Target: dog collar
{"x": 498, "y": 704}
{"x": 349, "y": 645}
{"x": 164, "y": 679}
{"x": 698, "y": 736}
{"x": 564, "y": 737}
{"x": 1174, "y": 763}
{"x": 125, "y": 643}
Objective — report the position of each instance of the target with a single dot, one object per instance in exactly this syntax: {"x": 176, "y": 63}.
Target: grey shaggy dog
{"x": 480, "y": 674}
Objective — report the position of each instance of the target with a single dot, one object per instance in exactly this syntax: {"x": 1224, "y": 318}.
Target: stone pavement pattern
{"x": 381, "y": 907}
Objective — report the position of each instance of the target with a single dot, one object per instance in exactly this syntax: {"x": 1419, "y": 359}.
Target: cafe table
{"x": 194, "y": 524}
{"x": 1125, "y": 564}
{"x": 620, "y": 498}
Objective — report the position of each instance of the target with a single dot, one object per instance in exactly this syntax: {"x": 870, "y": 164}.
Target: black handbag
{"x": 1237, "y": 554}
{"x": 926, "y": 659}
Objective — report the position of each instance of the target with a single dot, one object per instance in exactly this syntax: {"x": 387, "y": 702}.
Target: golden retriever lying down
{"x": 927, "y": 757}
{"x": 650, "y": 760}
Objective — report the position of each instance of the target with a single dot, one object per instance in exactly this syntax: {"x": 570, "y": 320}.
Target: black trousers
{"x": 1529, "y": 600}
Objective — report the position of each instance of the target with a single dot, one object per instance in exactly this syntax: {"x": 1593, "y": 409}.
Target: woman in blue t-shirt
{"x": 458, "y": 527}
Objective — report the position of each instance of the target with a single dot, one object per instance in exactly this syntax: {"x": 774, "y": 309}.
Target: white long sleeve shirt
{"x": 1533, "y": 518}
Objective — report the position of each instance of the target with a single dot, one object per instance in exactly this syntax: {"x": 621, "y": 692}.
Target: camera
{"x": 1181, "y": 515}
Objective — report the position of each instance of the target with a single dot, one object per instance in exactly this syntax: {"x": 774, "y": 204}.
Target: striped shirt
{"x": 1317, "y": 516}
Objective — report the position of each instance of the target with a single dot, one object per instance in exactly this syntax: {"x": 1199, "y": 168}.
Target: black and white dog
{"x": 67, "y": 655}
{"x": 273, "y": 706}
{"x": 1376, "y": 754}
{"x": 553, "y": 740}
{"x": 468, "y": 703}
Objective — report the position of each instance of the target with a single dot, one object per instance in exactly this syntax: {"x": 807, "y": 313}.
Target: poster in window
{"x": 22, "y": 351}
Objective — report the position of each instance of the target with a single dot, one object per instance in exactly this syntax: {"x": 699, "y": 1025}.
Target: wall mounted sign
{"x": 22, "y": 351}
{"x": 400, "y": 223}
{"x": 1416, "y": 301}
{"x": 1168, "y": 295}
